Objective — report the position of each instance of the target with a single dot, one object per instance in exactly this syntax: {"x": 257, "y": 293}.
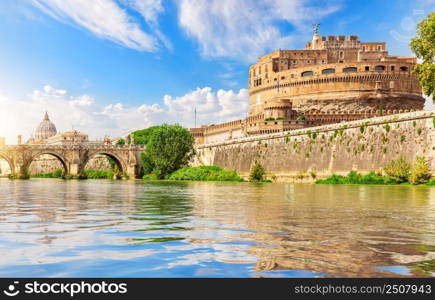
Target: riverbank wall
{"x": 316, "y": 152}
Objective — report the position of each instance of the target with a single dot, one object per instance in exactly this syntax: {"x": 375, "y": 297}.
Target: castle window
{"x": 379, "y": 48}
{"x": 379, "y": 68}
{"x": 364, "y": 48}
{"x": 392, "y": 68}
{"x": 282, "y": 77}
{"x": 341, "y": 55}
{"x": 367, "y": 68}
{"x": 328, "y": 71}
{"x": 404, "y": 69}
{"x": 309, "y": 61}
{"x": 307, "y": 73}
{"x": 350, "y": 69}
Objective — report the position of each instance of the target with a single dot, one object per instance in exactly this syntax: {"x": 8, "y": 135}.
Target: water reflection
{"x": 127, "y": 228}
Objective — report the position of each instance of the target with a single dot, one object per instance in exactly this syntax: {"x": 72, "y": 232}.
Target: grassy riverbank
{"x": 354, "y": 177}
{"x": 89, "y": 174}
{"x": 59, "y": 173}
{"x": 202, "y": 173}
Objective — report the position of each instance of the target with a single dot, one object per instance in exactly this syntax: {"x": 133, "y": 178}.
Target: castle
{"x": 334, "y": 79}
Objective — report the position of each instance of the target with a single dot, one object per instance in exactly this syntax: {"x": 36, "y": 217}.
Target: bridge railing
{"x": 73, "y": 146}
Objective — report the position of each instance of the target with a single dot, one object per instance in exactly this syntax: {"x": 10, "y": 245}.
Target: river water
{"x": 56, "y": 228}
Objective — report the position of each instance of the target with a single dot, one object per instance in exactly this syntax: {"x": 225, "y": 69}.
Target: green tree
{"x": 420, "y": 171}
{"x": 168, "y": 148}
{"x": 423, "y": 45}
{"x": 398, "y": 169}
{"x": 257, "y": 172}
{"x": 142, "y": 136}
{"x": 121, "y": 141}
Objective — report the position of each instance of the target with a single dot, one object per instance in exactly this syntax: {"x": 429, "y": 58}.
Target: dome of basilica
{"x": 45, "y": 129}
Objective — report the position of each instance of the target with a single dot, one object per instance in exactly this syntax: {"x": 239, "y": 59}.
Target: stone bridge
{"x": 73, "y": 157}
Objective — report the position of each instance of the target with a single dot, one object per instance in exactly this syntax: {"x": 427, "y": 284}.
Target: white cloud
{"x": 239, "y": 29}
{"x": 211, "y": 107}
{"x": 104, "y": 18}
{"x": 83, "y": 100}
{"x": 83, "y": 113}
{"x": 150, "y": 11}
{"x": 245, "y": 29}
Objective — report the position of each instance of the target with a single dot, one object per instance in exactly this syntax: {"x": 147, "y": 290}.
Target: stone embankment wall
{"x": 363, "y": 145}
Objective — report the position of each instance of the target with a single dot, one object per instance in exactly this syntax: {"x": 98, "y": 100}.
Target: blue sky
{"x": 109, "y": 66}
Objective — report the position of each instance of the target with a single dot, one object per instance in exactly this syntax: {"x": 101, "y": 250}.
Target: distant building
{"x": 45, "y": 129}
{"x": 67, "y": 138}
{"x": 46, "y": 133}
{"x": 334, "y": 79}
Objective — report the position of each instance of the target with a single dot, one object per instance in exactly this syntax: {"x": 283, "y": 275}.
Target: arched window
{"x": 404, "y": 68}
{"x": 350, "y": 69}
{"x": 380, "y": 68}
{"x": 328, "y": 71}
{"x": 307, "y": 73}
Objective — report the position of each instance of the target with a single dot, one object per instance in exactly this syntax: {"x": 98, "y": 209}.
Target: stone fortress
{"x": 334, "y": 79}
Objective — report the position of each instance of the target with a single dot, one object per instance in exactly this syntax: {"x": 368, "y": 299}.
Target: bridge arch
{"x": 120, "y": 163}
{"x": 60, "y": 157}
{"x": 9, "y": 161}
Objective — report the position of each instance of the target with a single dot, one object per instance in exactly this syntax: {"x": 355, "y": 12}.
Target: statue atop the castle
{"x": 316, "y": 28}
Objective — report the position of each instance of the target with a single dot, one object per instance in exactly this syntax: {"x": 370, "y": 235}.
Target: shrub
{"x": 58, "y": 173}
{"x": 99, "y": 174}
{"x": 269, "y": 119}
{"x": 150, "y": 177}
{"x": 398, "y": 169}
{"x": 203, "y": 173}
{"x": 420, "y": 171}
{"x": 257, "y": 172}
{"x": 354, "y": 177}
